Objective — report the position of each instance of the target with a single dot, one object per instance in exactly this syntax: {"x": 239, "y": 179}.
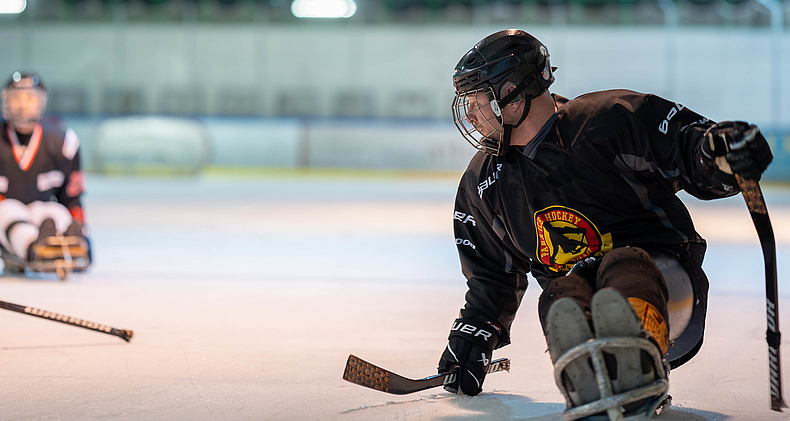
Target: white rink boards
{"x": 246, "y": 296}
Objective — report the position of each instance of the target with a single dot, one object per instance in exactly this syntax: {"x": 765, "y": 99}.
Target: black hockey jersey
{"x": 602, "y": 173}
{"x": 46, "y": 168}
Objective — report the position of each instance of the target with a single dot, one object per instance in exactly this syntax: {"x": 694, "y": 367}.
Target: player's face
{"x": 480, "y": 113}
{"x": 23, "y": 106}
{"x": 25, "y": 103}
{"x": 477, "y": 116}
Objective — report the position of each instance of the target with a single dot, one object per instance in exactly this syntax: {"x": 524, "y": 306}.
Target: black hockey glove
{"x": 469, "y": 348}
{"x": 736, "y": 147}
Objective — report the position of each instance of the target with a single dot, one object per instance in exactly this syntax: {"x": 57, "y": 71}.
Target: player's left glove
{"x": 469, "y": 349}
{"x": 736, "y": 147}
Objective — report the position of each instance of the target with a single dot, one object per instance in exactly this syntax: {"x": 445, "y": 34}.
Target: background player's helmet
{"x": 511, "y": 55}
{"x": 24, "y": 99}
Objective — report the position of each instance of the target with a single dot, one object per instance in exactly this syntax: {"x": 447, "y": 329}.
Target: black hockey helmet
{"x": 24, "y": 99}
{"x": 513, "y": 56}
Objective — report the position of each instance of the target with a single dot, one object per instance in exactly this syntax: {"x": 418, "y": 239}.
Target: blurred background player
{"x": 582, "y": 194}
{"x": 40, "y": 179}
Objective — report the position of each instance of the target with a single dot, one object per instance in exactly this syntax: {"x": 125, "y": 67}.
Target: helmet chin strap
{"x": 527, "y": 106}
{"x": 504, "y": 144}
{"x": 508, "y": 129}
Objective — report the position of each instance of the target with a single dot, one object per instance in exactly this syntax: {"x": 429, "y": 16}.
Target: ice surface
{"x": 247, "y": 295}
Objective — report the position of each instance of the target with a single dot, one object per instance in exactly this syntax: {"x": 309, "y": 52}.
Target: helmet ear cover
{"x": 516, "y": 93}
{"x": 507, "y": 99}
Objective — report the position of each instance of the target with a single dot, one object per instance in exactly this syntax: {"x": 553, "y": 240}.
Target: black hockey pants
{"x": 630, "y": 270}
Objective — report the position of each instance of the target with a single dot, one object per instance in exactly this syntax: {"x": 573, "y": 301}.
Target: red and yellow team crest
{"x": 565, "y": 236}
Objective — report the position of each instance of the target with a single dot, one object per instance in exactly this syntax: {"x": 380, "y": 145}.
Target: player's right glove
{"x": 736, "y": 147}
{"x": 469, "y": 349}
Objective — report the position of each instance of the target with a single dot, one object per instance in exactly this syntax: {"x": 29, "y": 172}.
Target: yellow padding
{"x": 49, "y": 252}
{"x": 653, "y": 322}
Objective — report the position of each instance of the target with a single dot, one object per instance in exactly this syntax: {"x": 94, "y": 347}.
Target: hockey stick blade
{"x": 762, "y": 223}
{"x": 363, "y": 373}
{"x": 124, "y": 334}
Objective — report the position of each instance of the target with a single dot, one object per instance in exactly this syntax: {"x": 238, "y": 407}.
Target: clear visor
{"x": 24, "y": 106}
{"x": 478, "y": 117}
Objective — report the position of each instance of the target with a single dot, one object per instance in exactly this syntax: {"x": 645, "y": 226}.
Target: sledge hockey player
{"x": 582, "y": 194}
{"x": 41, "y": 216}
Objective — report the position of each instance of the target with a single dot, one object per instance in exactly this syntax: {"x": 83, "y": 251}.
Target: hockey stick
{"x": 363, "y": 373}
{"x": 126, "y": 335}
{"x": 762, "y": 223}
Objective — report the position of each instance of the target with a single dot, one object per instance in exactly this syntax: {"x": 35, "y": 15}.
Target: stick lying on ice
{"x": 126, "y": 335}
{"x": 366, "y": 374}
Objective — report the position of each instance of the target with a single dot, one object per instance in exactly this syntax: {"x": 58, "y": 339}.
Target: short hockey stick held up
{"x": 762, "y": 223}
{"x": 363, "y": 373}
{"x": 126, "y": 335}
